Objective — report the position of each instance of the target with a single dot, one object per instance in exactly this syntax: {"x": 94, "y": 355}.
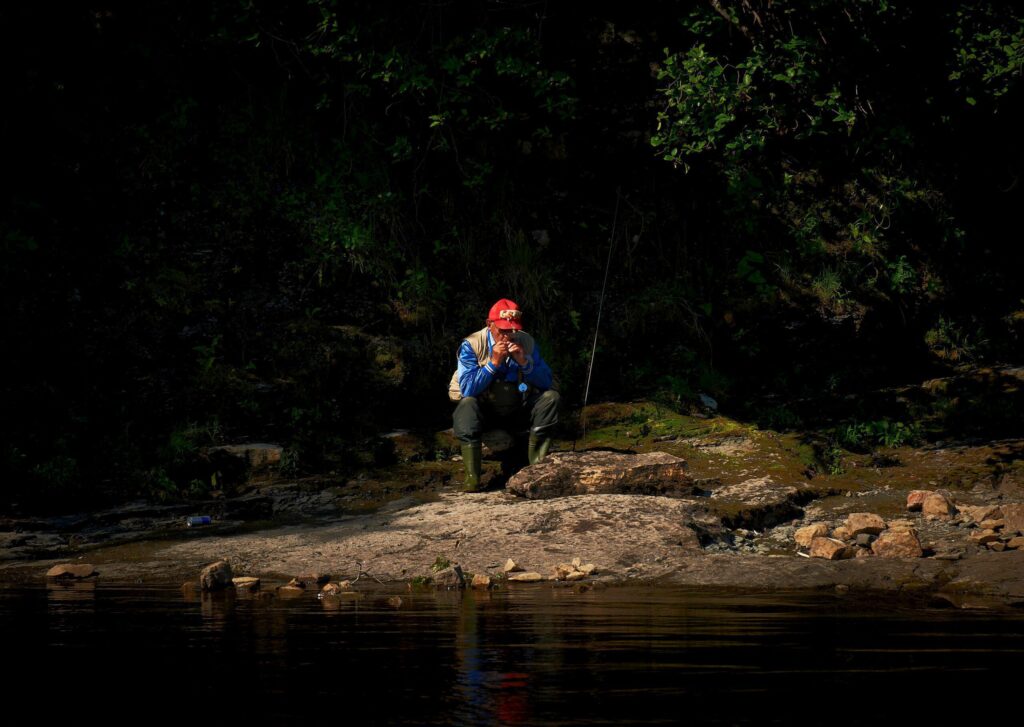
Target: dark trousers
{"x": 474, "y": 415}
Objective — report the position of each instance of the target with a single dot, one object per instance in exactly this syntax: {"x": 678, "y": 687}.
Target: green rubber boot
{"x": 471, "y": 459}
{"x": 538, "y": 448}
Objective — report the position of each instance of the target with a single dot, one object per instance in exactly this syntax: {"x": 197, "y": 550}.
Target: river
{"x": 530, "y": 655}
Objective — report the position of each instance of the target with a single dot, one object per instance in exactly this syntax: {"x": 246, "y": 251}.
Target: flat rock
{"x": 898, "y": 544}
{"x": 869, "y": 523}
{"x": 599, "y": 472}
{"x": 1015, "y": 543}
{"x": 71, "y": 570}
{"x": 248, "y": 583}
{"x": 526, "y": 577}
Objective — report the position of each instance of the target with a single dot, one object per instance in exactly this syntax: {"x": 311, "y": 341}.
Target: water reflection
{"x": 529, "y": 656}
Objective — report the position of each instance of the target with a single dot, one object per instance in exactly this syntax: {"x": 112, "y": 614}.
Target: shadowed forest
{"x": 274, "y": 221}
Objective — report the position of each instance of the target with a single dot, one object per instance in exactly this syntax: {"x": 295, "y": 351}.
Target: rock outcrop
{"x": 598, "y": 472}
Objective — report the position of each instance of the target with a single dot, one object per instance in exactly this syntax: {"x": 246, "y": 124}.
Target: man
{"x": 501, "y": 381}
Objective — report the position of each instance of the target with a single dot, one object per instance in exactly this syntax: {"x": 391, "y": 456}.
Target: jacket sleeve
{"x": 537, "y": 371}
{"x": 473, "y": 378}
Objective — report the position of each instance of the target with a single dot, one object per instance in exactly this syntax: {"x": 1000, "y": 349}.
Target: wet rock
{"x": 829, "y": 549}
{"x": 481, "y": 581}
{"x": 314, "y": 577}
{"x": 916, "y": 498}
{"x": 938, "y": 507}
{"x": 296, "y": 583}
{"x": 290, "y": 591}
{"x": 450, "y": 577}
{"x": 804, "y": 536}
{"x": 1013, "y": 516}
{"x": 395, "y": 602}
{"x": 70, "y": 571}
{"x": 858, "y": 523}
{"x": 330, "y": 589}
{"x": 593, "y": 472}
{"x": 246, "y": 583}
{"x": 898, "y": 544}
{"x": 511, "y": 567}
{"x": 526, "y": 577}
{"x": 216, "y": 576}
{"x": 345, "y": 585}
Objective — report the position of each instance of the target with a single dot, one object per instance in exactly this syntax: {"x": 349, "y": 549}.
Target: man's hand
{"x": 516, "y": 351}
{"x": 499, "y": 352}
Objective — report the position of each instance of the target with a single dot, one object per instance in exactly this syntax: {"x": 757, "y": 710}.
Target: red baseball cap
{"x": 506, "y": 314}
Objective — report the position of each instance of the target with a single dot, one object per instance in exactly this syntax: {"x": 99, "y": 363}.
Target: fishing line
{"x": 597, "y": 326}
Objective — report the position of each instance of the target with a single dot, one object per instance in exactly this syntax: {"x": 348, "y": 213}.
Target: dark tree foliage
{"x": 276, "y": 220}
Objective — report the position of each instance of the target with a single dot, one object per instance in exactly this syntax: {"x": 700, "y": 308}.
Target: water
{"x": 532, "y": 655}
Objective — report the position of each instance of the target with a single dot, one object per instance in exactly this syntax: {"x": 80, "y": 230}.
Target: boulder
{"x": 898, "y": 544}
{"x": 71, "y": 571}
{"x": 938, "y": 507}
{"x": 805, "y": 535}
{"x": 216, "y": 576}
{"x": 869, "y": 523}
{"x": 450, "y": 577}
{"x": 916, "y": 499}
{"x": 481, "y": 581}
{"x": 599, "y": 472}
{"x": 1013, "y": 517}
{"x": 830, "y": 549}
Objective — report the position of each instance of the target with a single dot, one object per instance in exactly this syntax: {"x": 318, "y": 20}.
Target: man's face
{"x": 502, "y": 334}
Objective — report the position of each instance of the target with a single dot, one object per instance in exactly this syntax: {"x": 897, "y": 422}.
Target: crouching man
{"x": 501, "y": 382}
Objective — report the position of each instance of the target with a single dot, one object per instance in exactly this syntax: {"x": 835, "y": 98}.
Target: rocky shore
{"x": 690, "y": 502}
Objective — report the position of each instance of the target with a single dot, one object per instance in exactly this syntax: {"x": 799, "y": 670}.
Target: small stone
{"x": 511, "y": 567}
{"x": 938, "y": 507}
{"x": 915, "y": 500}
{"x": 576, "y": 575}
{"x": 1013, "y": 517}
{"x": 984, "y": 537}
{"x": 289, "y": 591}
{"x": 842, "y": 588}
{"x": 296, "y": 583}
{"x": 863, "y": 553}
{"x": 216, "y": 576}
{"x": 331, "y": 589}
{"x": 71, "y": 570}
{"x": 345, "y": 585}
{"x": 841, "y": 533}
{"x": 395, "y": 602}
{"x": 829, "y": 549}
{"x": 805, "y": 535}
{"x": 577, "y": 562}
{"x": 997, "y": 546}
{"x": 588, "y": 569}
{"x": 1015, "y": 542}
{"x": 898, "y": 544}
{"x": 993, "y": 524}
{"x": 864, "y": 540}
{"x": 864, "y": 522}
{"x": 526, "y": 577}
{"x": 481, "y": 581}
{"x": 559, "y": 572}
{"x": 246, "y": 583}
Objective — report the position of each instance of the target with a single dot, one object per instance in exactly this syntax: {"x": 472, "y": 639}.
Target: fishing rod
{"x": 597, "y": 326}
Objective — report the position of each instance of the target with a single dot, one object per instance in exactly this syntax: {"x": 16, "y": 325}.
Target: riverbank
{"x": 749, "y": 493}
